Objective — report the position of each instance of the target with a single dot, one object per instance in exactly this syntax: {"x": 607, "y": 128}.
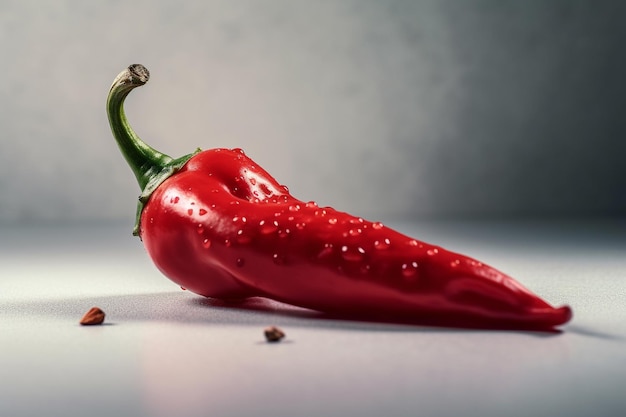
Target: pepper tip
{"x": 566, "y": 313}
{"x": 552, "y": 316}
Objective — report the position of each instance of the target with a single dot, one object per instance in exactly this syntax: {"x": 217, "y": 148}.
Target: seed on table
{"x": 274, "y": 334}
{"x": 94, "y": 316}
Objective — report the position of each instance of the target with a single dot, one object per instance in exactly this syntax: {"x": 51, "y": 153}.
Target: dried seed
{"x": 273, "y": 334}
{"x": 93, "y": 316}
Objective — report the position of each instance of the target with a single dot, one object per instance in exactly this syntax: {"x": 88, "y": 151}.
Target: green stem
{"x": 150, "y": 166}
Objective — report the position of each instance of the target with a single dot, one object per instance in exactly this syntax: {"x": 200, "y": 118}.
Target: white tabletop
{"x": 167, "y": 352}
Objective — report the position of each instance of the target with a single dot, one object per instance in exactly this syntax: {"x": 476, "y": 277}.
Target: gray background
{"x": 395, "y": 109}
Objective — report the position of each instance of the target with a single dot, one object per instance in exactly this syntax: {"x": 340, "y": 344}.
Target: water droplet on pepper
{"x": 326, "y": 251}
{"x": 268, "y": 227}
{"x": 409, "y": 271}
{"x": 242, "y": 237}
{"x": 382, "y": 244}
{"x": 265, "y": 189}
{"x": 278, "y": 259}
{"x": 352, "y": 254}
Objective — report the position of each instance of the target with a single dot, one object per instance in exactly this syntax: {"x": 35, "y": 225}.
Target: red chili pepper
{"x": 219, "y": 225}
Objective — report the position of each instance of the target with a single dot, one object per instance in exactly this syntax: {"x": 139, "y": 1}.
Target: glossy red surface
{"x": 222, "y": 227}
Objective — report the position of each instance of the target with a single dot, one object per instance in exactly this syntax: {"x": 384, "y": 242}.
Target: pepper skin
{"x": 219, "y": 225}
